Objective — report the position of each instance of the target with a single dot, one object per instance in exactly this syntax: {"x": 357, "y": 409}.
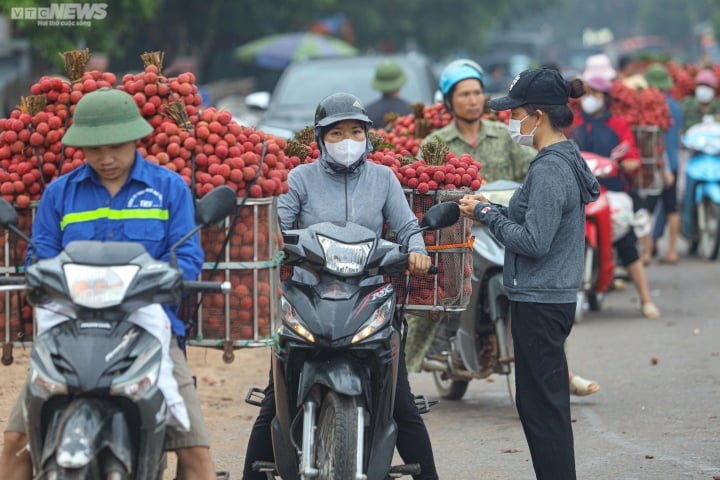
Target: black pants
{"x": 413, "y": 441}
{"x": 542, "y": 387}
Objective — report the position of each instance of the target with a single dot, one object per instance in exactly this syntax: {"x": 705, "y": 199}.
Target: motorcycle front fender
{"x": 87, "y": 427}
{"x": 703, "y": 168}
{"x": 338, "y": 375}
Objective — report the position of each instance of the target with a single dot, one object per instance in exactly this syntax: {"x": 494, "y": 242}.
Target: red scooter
{"x": 599, "y": 266}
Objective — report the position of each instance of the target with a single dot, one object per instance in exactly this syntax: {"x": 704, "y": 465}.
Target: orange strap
{"x": 468, "y": 245}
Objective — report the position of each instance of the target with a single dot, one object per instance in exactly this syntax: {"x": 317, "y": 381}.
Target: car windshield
{"x": 308, "y": 84}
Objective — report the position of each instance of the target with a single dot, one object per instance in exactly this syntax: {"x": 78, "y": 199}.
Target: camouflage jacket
{"x": 501, "y": 157}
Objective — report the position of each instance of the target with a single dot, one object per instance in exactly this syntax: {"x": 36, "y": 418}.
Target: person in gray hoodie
{"x": 342, "y": 186}
{"x": 543, "y": 231}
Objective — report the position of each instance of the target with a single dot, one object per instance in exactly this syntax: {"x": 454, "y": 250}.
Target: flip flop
{"x": 581, "y": 387}
{"x": 668, "y": 261}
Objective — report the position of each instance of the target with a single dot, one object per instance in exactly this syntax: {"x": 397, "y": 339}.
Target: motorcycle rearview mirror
{"x": 9, "y": 220}
{"x": 213, "y": 207}
{"x": 440, "y": 215}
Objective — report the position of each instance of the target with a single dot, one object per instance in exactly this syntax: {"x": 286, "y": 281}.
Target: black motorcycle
{"x": 93, "y": 408}
{"x": 336, "y": 359}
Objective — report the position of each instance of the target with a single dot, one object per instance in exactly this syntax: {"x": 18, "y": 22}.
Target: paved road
{"x": 648, "y": 421}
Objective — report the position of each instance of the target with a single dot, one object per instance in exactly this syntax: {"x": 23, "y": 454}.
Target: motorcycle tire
{"x": 336, "y": 437}
{"x": 449, "y": 389}
{"x": 708, "y": 215}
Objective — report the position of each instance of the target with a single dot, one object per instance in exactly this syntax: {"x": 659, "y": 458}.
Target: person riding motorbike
{"x": 343, "y": 186}
{"x": 118, "y": 195}
{"x": 599, "y": 131}
{"x": 488, "y": 142}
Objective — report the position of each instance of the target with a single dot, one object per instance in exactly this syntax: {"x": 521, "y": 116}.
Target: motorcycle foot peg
{"x": 423, "y": 404}
{"x": 263, "y": 466}
{"x": 398, "y": 471}
{"x": 255, "y": 396}
{"x": 7, "y": 356}
{"x": 222, "y": 475}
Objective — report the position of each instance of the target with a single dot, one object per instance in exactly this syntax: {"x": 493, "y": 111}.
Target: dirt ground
{"x": 222, "y": 388}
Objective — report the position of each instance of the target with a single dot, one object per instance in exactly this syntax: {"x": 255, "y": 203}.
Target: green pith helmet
{"x": 389, "y": 76}
{"x": 657, "y": 76}
{"x": 107, "y": 116}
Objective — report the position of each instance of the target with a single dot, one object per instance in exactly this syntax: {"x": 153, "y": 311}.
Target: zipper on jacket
{"x": 347, "y": 214}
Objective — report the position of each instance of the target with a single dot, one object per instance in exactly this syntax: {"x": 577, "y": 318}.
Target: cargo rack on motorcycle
{"x": 249, "y": 261}
{"x": 450, "y": 249}
{"x": 650, "y": 142}
{"x": 16, "y": 314}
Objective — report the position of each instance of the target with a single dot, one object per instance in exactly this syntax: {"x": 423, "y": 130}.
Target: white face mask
{"x": 345, "y": 152}
{"x": 591, "y": 104}
{"x": 704, "y": 94}
{"x": 514, "y": 128}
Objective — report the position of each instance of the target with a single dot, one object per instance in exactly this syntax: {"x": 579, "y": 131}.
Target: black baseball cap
{"x": 539, "y": 86}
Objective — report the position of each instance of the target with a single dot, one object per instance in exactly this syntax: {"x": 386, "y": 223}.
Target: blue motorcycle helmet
{"x": 455, "y": 72}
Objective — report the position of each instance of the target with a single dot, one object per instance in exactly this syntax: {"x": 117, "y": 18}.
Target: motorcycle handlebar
{"x": 207, "y": 287}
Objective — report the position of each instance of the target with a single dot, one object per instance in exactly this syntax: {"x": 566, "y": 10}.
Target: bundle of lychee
{"x": 206, "y": 146}
{"x": 439, "y": 169}
{"x": 31, "y": 150}
{"x": 645, "y": 107}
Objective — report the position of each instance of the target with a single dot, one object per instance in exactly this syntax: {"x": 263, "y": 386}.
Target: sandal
{"x": 581, "y": 387}
{"x": 649, "y": 310}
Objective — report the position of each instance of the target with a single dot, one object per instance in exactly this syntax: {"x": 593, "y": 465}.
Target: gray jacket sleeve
{"x": 400, "y": 217}
{"x": 542, "y": 218}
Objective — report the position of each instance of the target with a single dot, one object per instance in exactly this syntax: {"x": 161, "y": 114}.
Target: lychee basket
{"x": 250, "y": 261}
{"x": 451, "y": 251}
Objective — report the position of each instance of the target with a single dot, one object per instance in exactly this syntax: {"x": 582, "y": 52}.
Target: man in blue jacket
{"x": 119, "y": 196}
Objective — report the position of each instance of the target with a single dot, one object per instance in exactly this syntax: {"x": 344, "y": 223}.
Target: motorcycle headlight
{"x": 292, "y": 320}
{"x": 98, "y": 287}
{"x": 44, "y": 386}
{"x": 377, "y": 320}
{"x": 344, "y": 258}
{"x": 135, "y": 383}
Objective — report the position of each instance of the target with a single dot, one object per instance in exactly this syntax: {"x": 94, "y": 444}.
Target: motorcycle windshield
{"x": 705, "y": 168}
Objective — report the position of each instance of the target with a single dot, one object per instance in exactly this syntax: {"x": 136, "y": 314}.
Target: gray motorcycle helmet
{"x": 336, "y": 108}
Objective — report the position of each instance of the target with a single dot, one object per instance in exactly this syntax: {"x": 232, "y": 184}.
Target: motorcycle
{"x": 700, "y": 217}
{"x": 477, "y": 343}
{"x": 93, "y": 407}
{"x": 599, "y": 267}
{"x": 336, "y": 358}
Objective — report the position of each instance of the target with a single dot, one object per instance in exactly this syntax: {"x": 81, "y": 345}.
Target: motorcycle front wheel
{"x": 448, "y": 388}
{"x": 336, "y": 437}
{"x": 708, "y": 216}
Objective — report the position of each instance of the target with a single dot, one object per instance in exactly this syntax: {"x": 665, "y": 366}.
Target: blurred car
{"x": 291, "y": 106}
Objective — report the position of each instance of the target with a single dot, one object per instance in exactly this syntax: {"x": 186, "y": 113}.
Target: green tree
{"x": 205, "y": 29}
{"x": 104, "y": 35}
